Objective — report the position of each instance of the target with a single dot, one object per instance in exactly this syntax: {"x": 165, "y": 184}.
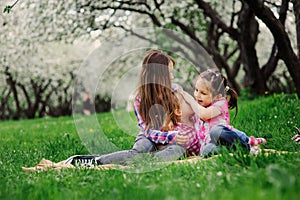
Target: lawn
{"x": 26, "y": 142}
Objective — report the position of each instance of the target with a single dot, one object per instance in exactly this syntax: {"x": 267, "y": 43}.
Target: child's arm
{"x": 203, "y": 113}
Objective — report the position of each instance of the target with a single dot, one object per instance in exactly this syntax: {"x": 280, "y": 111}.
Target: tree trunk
{"x": 3, "y": 105}
{"x": 296, "y": 5}
{"x": 247, "y": 40}
{"x": 220, "y": 60}
{"x": 281, "y": 38}
{"x": 12, "y": 84}
{"x": 269, "y": 67}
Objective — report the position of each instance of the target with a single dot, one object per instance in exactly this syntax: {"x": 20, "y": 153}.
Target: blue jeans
{"x": 141, "y": 148}
{"x": 222, "y": 136}
{"x": 241, "y": 135}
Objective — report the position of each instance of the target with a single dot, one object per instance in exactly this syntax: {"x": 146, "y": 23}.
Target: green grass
{"x": 26, "y": 142}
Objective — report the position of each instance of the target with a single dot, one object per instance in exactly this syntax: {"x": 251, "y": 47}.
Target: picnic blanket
{"x": 45, "y": 164}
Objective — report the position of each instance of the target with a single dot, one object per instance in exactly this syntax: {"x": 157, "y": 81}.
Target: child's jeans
{"x": 142, "y": 147}
{"x": 241, "y": 135}
{"x": 222, "y": 136}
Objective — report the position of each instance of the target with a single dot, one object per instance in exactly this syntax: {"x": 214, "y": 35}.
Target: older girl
{"x": 154, "y": 104}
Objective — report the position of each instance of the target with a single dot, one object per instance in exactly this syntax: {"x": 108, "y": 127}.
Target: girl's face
{"x": 203, "y": 93}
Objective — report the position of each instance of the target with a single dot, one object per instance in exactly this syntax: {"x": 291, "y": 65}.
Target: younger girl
{"x": 211, "y": 106}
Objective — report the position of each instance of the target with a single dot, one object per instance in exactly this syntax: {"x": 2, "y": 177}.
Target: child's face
{"x": 203, "y": 93}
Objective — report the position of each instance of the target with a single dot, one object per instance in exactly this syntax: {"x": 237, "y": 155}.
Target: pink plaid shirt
{"x": 194, "y": 144}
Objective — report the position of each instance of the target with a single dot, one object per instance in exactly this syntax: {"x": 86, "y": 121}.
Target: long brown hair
{"x": 219, "y": 85}
{"x": 154, "y": 89}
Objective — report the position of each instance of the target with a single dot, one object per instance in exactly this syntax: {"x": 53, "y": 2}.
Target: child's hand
{"x": 176, "y": 87}
{"x": 187, "y": 97}
{"x": 182, "y": 140}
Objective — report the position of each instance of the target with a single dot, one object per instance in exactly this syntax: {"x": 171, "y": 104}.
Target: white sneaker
{"x": 255, "y": 150}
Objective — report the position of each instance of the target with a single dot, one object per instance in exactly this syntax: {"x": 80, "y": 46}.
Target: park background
{"x": 255, "y": 44}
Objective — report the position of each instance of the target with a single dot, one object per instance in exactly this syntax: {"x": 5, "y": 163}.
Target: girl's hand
{"x": 187, "y": 97}
{"x": 182, "y": 140}
{"x": 202, "y": 112}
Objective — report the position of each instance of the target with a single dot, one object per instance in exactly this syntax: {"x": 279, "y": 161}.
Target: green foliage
{"x": 26, "y": 142}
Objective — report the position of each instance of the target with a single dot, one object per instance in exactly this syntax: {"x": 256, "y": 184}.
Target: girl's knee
{"x": 143, "y": 145}
{"x": 217, "y": 129}
{"x": 215, "y": 133}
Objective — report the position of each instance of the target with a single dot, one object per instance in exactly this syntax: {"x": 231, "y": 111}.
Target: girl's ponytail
{"x": 232, "y": 98}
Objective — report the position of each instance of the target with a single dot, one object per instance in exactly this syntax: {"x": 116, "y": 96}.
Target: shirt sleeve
{"x": 156, "y": 136}
{"x": 224, "y": 118}
{"x": 221, "y": 105}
